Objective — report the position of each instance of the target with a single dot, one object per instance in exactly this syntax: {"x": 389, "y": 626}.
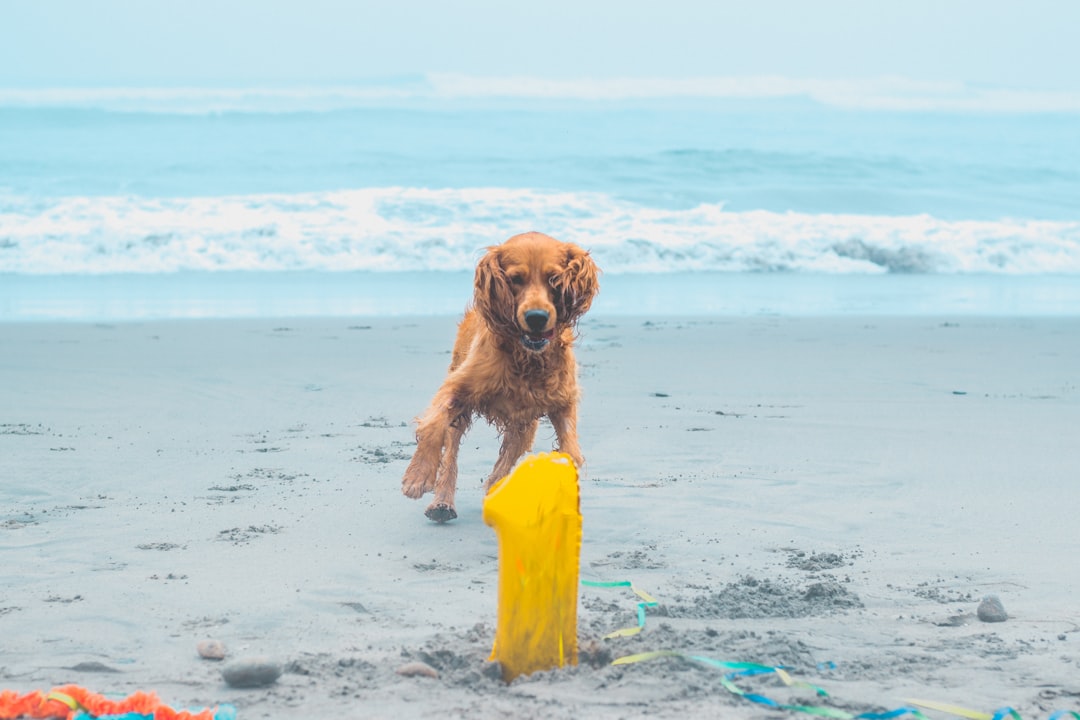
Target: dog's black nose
{"x": 536, "y": 320}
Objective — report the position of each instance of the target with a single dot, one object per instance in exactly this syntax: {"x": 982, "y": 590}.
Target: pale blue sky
{"x": 1026, "y": 45}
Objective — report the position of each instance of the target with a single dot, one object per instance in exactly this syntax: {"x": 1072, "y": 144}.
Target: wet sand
{"x": 835, "y": 495}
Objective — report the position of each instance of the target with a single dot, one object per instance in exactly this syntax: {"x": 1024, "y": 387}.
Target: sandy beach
{"x": 835, "y": 495}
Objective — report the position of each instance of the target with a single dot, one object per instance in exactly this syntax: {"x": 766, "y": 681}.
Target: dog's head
{"x": 532, "y": 285}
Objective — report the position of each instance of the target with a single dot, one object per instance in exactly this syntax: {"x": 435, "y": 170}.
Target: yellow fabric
{"x": 952, "y": 709}
{"x": 536, "y": 514}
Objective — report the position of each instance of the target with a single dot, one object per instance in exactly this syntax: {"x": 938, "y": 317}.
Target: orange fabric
{"x": 45, "y": 706}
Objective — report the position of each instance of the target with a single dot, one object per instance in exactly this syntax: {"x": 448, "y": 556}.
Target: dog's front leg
{"x": 516, "y": 441}
{"x": 441, "y": 508}
{"x": 565, "y": 423}
{"x": 434, "y": 464}
{"x": 431, "y": 430}
{"x": 419, "y": 477}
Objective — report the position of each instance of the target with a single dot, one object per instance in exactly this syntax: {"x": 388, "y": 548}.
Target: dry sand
{"x": 792, "y": 491}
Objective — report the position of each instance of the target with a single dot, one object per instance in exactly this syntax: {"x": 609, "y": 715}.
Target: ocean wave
{"x": 887, "y": 93}
{"x": 410, "y": 229}
{"x": 894, "y": 93}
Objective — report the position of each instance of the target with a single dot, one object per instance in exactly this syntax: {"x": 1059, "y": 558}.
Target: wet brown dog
{"x": 513, "y": 363}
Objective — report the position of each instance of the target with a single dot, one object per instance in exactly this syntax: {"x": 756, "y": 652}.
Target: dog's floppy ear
{"x": 577, "y": 284}
{"x": 492, "y": 296}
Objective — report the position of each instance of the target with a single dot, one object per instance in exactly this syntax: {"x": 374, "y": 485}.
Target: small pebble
{"x": 251, "y": 672}
{"x": 211, "y": 649}
{"x": 991, "y": 609}
{"x": 417, "y": 669}
{"x": 492, "y": 670}
{"x": 92, "y": 666}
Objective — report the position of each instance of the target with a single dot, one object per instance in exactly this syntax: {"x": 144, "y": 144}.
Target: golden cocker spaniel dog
{"x": 512, "y": 363}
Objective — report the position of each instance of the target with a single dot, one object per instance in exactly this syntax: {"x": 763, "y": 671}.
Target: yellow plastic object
{"x": 536, "y": 514}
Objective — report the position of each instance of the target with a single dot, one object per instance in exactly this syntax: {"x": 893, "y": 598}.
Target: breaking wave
{"x": 410, "y": 229}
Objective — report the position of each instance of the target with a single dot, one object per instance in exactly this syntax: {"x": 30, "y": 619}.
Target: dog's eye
{"x": 517, "y": 280}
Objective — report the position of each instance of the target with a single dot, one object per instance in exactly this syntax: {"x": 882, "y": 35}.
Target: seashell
{"x": 211, "y": 649}
{"x": 417, "y": 669}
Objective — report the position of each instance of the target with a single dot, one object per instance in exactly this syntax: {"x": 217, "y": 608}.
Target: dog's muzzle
{"x": 537, "y": 341}
{"x": 536, "y": 338}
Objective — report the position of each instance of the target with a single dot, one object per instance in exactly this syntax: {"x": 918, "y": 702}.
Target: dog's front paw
{"x": 416, "y": 482}
{"x": 441, "y": 512}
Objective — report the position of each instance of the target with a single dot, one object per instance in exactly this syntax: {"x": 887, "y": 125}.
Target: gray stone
{"x": 93, "y": 666}
{"x": 991, "y": 609}
{"x": 251, "y": 672}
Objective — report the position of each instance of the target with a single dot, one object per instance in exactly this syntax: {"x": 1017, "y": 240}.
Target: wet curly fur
{"x": 512, "y": 363}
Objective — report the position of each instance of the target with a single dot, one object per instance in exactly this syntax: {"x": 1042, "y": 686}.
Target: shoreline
{"x": 146, "y": 297}
{"x": 792, "y": 490}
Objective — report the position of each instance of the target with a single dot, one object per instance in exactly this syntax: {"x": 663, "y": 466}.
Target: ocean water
{"x": 156, "y": 203}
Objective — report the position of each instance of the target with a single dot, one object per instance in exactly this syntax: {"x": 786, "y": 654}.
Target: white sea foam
{"x": 406, "y": 229}
{"x": 200, "y": 100}
{"x": 881, "y": 93}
